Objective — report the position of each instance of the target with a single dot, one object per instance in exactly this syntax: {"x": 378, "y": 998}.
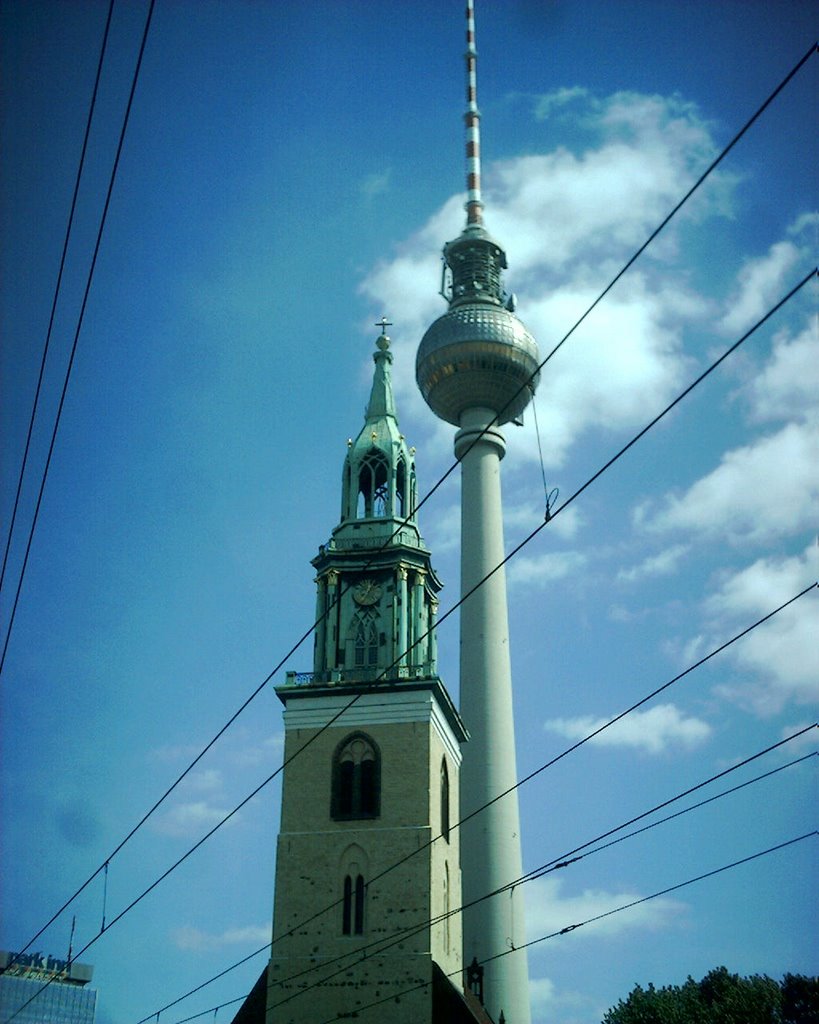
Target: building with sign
{"x": 39, "y": 989}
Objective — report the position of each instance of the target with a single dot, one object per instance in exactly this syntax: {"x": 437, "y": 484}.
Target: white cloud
{"x": 807, "y": 741}
{"x": 788, "y": 386}
{"x": 764, "y": 490}
{"x": 653, "y": 731}
{"x": 656, "y": 565}
{"x": 619, "y": 613}
{"x": 548, "y": 911}
{"x": 541, "y": 993}
{"x": 253, "y": 752}
{"x": 561, "y": 206}
{"x": 190, "y": 819}
{"x": 541, "y": 570}
{"x": 522, "y": 518}
{"x": 613, "y": 386}
{"x": 375, "y": 184}
{"x": 441, "y": 527}
{"x": 549, "y": 1004}
{"x": 761, "y": 283}
{"x": 554, "y": 102}
{"x": 570, "y": 220}
{"x": 806, "y": 224}
{"x": 205, "y": 781}
{"x": 170, "y": 754}
{"x": 190, "y": 938}
{"x": 782, "y": 655}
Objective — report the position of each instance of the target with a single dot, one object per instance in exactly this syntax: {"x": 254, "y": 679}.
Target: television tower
{"x": 477, "y": 368}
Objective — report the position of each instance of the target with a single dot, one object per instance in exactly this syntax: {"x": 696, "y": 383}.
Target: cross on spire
{"x": 383, "y": 323}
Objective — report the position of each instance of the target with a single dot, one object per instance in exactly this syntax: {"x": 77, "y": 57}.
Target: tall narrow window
{"x": 401, "y": 488}
{"x": 358, "y": 923}
{"x": 356, "y": 779}
{"x": 444, "y": 800}
{"x": 353, "y": 869}
{"x": 352, "y": 914}
{"x": 347, "y": 909}
{"x": 365, "y": 490}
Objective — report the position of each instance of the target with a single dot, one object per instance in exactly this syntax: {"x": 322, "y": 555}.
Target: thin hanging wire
{"x": 550, "y": 496}
{"x": 104, "y": 896}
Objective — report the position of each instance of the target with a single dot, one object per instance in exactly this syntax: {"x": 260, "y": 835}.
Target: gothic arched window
{"x": 401, "y": 488}
{"x": 356, "y": 782}
{"x": 352, "y": 914}
{"x": 444, "y": 800}
{"x": 373, "y": 485}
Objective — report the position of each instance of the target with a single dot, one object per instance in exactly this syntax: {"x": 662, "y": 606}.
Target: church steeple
{"x": 379, "y": 472}
{"x": 359, "y": 873}
{"x": 376, "y": 594}
{"x": 381, "y": 403}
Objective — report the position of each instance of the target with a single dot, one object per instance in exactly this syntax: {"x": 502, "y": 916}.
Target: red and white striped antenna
{"x": 474, "y": 205}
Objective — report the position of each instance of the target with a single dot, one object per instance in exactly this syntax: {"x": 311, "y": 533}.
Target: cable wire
{"x": 441, "y": 481}
{"x": 565, "y": 860}
{"x": 664, "y": 223}
{"x": 429, "y": 494}
{"x": 552, "y": 935}
{"x": 558, "y": 862}
{"x": 77, "y": 332}
{"x": 591, "y": 920}
{"x": 38, "y": 389}
{"x": 500, "y": 796}
{"x": 442, "y": 619}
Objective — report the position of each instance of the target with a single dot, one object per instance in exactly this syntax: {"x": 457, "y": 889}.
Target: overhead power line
{"x": 565, "y": 860}
{"x": 397, "y": 864}
{"x": 442, "y": 619}
{"x": 421, "y": 504}
{"x": 590, "y": 920}
{"x": 551, "y": 935}
{"x": 77, "y": 333}
{"x": 427, "y": 497}
{"x": 664, "y": 223}
{"x": 38, "y": 388}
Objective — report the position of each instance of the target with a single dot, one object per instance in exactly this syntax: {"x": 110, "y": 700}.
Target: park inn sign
{"x": 38, "y": 965}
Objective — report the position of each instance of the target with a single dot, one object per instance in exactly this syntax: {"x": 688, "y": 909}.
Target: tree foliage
{"x": 722, "y": 998}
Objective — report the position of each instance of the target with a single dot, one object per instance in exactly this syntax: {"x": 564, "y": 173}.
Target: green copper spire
{"x": 379, "y": 471}
{"x": 376, "y": 589}
{"x": 381, "y": 403}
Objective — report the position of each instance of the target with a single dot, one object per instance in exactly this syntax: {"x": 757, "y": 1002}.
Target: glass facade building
{"x": 63, "y": 1001}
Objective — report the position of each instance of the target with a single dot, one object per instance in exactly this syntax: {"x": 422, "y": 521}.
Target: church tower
{"x": 367, "y": 865}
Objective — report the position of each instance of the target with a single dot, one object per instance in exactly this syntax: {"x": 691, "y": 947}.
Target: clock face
{"x": 367, "y": 592}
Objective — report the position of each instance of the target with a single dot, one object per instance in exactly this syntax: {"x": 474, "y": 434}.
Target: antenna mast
{"x": 474, "y": 206}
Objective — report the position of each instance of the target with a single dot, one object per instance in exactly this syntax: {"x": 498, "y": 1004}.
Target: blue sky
{"x": 290, "y": 173}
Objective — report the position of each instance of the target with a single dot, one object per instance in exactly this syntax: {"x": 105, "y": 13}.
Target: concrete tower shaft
{"x": 477, "y": 368}
{"x": 490, "y": 842}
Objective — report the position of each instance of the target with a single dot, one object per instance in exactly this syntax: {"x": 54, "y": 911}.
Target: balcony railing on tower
{"x": 345, "y": 676}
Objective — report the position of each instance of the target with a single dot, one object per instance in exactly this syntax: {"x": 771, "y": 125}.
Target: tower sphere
{"x": 477, "y": 355}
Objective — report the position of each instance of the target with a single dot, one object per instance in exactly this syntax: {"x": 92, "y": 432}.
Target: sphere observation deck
{"x": 478, "y": 354}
